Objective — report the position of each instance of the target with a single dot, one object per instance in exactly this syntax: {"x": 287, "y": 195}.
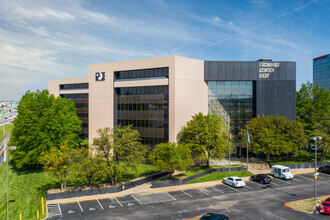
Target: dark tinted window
{"x": 73, "y": 86}
{"x": 80, "y": 101}
{"x": 146, "y": 109}
{"x": 325, "y": 204}
{"x": 143, "y": 73}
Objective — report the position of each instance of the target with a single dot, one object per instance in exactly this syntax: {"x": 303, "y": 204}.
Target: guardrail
{"x": 3, "y": 142}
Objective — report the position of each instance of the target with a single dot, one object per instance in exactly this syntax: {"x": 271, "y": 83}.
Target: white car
{"x": 234, "y": 181}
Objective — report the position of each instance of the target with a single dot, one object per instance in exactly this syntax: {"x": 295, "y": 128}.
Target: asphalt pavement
{"x": 255, "y": 201}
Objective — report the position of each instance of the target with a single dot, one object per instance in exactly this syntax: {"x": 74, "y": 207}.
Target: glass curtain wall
{"x": 237, "y": 98}
{"x": 80, "y": 100}
{"x": 146, "y": 109}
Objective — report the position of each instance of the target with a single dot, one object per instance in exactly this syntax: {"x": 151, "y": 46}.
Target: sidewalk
{"x": 146, "y": 188}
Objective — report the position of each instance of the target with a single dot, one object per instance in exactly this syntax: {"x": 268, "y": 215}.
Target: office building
{"x": 321, "y": 71}
{"x": 158, "y": 96}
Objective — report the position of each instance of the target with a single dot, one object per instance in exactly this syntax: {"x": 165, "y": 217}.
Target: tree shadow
{"x": 28, "y": 169}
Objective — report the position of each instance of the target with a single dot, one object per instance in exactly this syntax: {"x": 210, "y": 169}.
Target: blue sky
{"x": 42, "y": 40}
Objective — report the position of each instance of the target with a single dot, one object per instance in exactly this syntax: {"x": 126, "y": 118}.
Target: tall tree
{"x": 206, "y": 136}
{"x": 58, "y": 162}
{"x": 121, "y": 148}
{"x": 312, "y": 105}
{"x": 43, "y": 121}
{"x": 87, "y": 166}
{"x": 323, "y": 129}
{"x": 171, "y": 156}
{"x": 273, "y": 135}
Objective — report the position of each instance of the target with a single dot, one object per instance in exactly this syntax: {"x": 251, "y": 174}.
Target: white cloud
{"x": 217, "y": 19}
{"x": 43, "y": 14}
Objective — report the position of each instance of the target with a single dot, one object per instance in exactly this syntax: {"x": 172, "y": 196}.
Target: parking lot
{"x": 187, "y": 203}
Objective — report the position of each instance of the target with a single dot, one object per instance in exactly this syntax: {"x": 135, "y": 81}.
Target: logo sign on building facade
{"x": 265, "y": 69}
{"x": 100, "y": 76}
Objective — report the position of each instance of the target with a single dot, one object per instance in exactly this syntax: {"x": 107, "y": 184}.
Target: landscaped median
{"x": 305, "y": 205}
{"x": 202, "y": 174}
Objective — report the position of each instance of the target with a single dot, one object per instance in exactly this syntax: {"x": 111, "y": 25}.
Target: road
{"x": 255, "y": 201}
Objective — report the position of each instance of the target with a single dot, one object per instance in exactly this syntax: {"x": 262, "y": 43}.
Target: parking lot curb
{"x": 190, "y": 187}
{"x": 300, "y": 200}
{"x": 81, "y": 200}
{"x": 304, "y": 172}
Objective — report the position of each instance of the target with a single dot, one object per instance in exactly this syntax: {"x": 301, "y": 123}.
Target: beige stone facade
{"x": 188, "y": 92}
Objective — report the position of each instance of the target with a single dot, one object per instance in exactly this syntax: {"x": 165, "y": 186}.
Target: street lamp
{"x": 315, "y": 160}
{"x": 7, "y": 158}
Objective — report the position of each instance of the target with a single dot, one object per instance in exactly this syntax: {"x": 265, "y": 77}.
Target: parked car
{"x": 261, "y": 178}
{"x": 325, "y": 169}
{"x": 234, "y": 181}
{"x": 324, "y": 208}
{"x": 214, "y": 216}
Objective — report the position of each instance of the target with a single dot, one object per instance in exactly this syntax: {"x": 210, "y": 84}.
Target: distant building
{"x": 158, "y": 96}
{"x": 321, "y": 71}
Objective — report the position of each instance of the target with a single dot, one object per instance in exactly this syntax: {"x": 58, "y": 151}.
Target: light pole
{"x": 315, "y": 160}
{"x": 7, "y": 158}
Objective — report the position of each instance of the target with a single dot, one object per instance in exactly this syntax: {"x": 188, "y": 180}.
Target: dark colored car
{"x": 261, "y": 178}
{"x": 324, "y": 208}
{"x": 214, "y": 216}
{"x": 324, "y": 169}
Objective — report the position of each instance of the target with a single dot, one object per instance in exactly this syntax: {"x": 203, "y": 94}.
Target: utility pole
{"x": 315, "y": 161}
{"x": 229, "y": 138}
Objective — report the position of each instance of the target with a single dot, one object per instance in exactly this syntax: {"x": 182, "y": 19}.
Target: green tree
{"x": 206, "y": 136}
{"x": 171, "y": 156}
{"x": 58, "y": 162}
{"x": 43, "y": 121}
{"x": 323, "y": 129}
{"x": 121, "y": 148}
{"x": 87, "y": 166}
{"x": 312, "y": 105}
{"x": 273, "y": 135}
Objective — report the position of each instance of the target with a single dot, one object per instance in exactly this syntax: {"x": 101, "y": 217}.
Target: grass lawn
{"x": 220, "y": 176}
{"x": 27, "y": 187}
{"x": 8, "y": 129}
{"x": 201, "y": 169}
{"x": 306, "y": 205}
{"x": 25, "y": 192}
{"x": 297, "y": 159}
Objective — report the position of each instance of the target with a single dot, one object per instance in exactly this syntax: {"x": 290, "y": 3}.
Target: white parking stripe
{"x": 274, "y": 183}
{"x": 171, "y": 196}
{"x": 136, "y": 199}
{"x": 217, "y": 189}
{"x": 285, "y": 181}
{"x": 186, "y": 193}
{"x": 247, "y": 187}
{"x": 119, "y": 202}
{"x": 230, "y": 187}
{"x": 59, "y": 208}
{"x": 203, "y": 192}
{"x": 307, "y": 178}
{"x": 99, "y": 204}
{"x": 80, "y": 207}
{"x": 295, "y": 179}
